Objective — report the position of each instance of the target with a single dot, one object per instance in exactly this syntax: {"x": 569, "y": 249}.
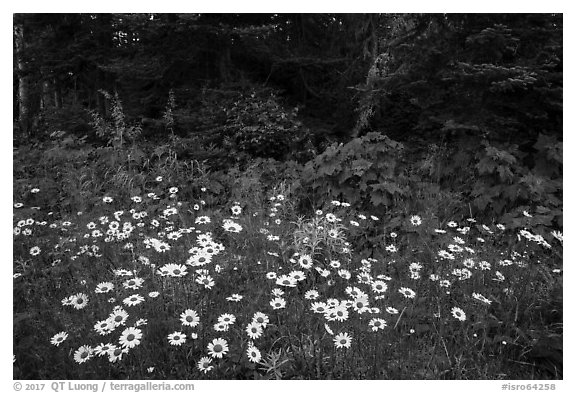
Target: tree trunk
{"x": 58, "y": 97}
{"x": 46, "y": 101}
{"x": 24, "y": 82}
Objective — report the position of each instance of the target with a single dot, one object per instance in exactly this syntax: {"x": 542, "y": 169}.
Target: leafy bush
{"x": 502, "y": 180}
{"x": 363, "y": 171}
{"x": 260, "y": 126}
{"x": 246, "y": 122}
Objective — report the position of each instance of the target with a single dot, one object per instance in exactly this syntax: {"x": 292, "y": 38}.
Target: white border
{"x": 285, "y": 7}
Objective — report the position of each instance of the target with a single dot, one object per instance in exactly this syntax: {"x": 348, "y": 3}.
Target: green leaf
{"x": 379, "y": 198}
{"x": 360, "y": 166}
{"x": 390, "y": 187}
{"x": 505, "y": 173}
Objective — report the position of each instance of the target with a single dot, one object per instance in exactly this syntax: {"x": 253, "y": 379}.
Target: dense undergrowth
{"x": 368, "y": 260}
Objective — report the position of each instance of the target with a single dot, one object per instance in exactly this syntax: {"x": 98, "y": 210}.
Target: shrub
{"x": 363, "y": 171}
{"x": 245, "y": 122}
{"x": 502, "y": 180}
{"x": 260, "y": 126}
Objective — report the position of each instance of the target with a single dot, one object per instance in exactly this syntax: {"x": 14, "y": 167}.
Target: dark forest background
{"x": 473, "y": 100}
